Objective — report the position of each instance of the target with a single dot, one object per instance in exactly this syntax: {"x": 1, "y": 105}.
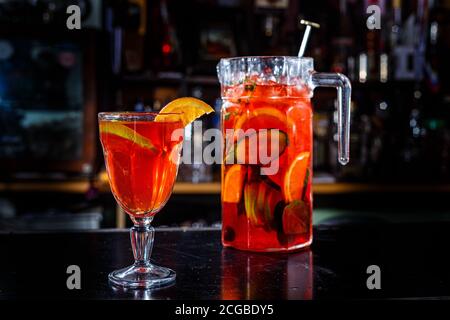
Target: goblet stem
{"x": 142, "y": 235}
{"x": 142, "y": 274}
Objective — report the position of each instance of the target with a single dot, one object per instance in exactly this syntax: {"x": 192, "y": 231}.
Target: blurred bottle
{"x": 343, "y": 42}
{"x": 390, "y": 39}
{"x": 126, "y": 22}
{"x": 134, "y": 22}
{"x": 395, "y": 23}
{"x": 139, "y": 105}
{"x": 436, "y": 91}
{"x": 321, "y": 124}
{"x": 413, "y": 148}
{"x": 166, "y": 50}
{"x": 374, "y": 45}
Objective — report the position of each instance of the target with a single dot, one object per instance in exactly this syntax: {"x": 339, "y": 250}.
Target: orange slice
{"x": 186, "y": 109}
{"x": 295, "y": 177}
{"x": 125, "y": 132}
{"x": 279, "y": 116}
{"x": 244, "y": 151}
{"x": 233, "y": 184}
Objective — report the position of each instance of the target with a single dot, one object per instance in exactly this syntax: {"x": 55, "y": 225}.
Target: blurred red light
{"x": 166, "y": 48}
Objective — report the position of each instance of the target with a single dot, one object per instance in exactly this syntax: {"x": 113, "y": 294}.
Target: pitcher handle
{"x": 344, "y": 92}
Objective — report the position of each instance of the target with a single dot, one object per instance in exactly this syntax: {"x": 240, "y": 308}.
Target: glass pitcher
{"x": 266, "y": 120}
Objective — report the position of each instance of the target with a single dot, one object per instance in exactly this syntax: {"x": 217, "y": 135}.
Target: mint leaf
{"x": 305, "y": 184}
{"x": 250, "y": 87}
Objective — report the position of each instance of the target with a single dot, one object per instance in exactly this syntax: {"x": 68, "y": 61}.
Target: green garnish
{"x": 229, "y": 114}
{"x": 250, "y": 87}
{"x": 305, "y": 183}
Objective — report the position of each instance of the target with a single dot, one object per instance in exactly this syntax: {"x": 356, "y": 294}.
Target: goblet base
{"x": 148, "y": 276}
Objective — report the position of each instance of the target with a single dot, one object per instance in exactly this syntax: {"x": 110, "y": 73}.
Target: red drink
{"x": 142, "y": 162}
{"x": 267, "y": 212}
{"x": 142, "y": 153}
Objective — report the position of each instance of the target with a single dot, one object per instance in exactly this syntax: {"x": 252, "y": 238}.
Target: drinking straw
{"x": 309, "y": 26}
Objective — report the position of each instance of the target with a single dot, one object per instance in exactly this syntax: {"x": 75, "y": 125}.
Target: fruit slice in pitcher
{"x": 294, "y": 179}
{"x": 296, "y": 218}
{"x": 252, "y": 148}
{"x": 250, "y": 194}
{"x": 261, "y": 118}
{"x": 233, "y": 184}
{"x": 268, "y": 199}
{"x": 260, "y": 200}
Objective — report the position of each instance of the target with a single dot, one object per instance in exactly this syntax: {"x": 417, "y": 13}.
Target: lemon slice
{"x": 127, "y": 133}
{"x": 186, "y": 109}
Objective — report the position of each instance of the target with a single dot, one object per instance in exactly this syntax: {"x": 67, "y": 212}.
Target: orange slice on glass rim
{"x": 183, "y": 109}
{"x": 295, "y": 177}
{"x": 186, "y": 109}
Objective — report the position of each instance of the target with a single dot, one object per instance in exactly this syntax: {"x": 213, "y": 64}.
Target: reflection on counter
{"x": 248, "y": 275}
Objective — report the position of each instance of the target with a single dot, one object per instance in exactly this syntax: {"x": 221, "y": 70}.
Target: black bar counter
{"x": 412, "y": 258}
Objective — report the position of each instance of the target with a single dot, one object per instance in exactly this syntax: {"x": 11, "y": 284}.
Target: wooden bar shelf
{"x": 83, "y": 186}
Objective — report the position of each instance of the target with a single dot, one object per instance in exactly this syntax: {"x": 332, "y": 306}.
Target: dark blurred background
{"x": 138, "y": 55}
